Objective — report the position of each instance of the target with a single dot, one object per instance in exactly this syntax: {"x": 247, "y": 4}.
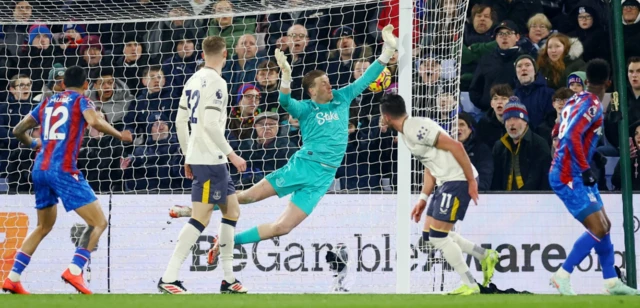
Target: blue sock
{"x": 20, "y": 263}
{"x": 581, "y": 250}
{"x": 425, "y": 235}
{"x": 248, "y": 236}
{"x": 81, "y": 257}
{"x": 605, "y": 251}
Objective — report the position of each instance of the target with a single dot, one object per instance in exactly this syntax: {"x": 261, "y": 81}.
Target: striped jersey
{"x": 63, "y": 127}
{"x": 580, "y": 128}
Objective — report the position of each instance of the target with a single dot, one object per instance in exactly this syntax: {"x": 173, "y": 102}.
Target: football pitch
{"x": 316, "y": 300}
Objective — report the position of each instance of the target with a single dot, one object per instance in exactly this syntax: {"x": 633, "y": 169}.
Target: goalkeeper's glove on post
{"x": 390, "y": 44}
{"x": 285, "y": 69}
{"x": 589, "y": 178}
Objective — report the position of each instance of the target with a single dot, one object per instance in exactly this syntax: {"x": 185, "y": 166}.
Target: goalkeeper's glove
{"x": 285, "y": 69}
{"x": 589, "y": 178}
{"x": 390, "y": 44}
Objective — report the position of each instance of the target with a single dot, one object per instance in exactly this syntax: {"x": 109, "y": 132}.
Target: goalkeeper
{"x": 324, "y": 123}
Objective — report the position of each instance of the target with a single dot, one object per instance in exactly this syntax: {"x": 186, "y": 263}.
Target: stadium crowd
{"x": 528, "y": 54}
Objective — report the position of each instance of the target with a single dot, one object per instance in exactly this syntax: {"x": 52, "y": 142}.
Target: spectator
{"x": 54, "y": 83}
{"x": 266, "y": 152}
{"x": 229, "y": 27}
{"x": 616, "y": 179}
{"x": 343, "y": 55}
{"x": 368, "y": 101}
{"x": 633, "y": 102}
{"x": 631, "y": 28}
{"x": 480, "y": 29}
{"x": 576, "y": 81}
{"x": 429, "y": 84}
{"x": 491, "y": 126}
{"x": 18, "y": 104}
{"x": 531, "y": 89}
{"x": 496, "y": 67}
{"x": 133, "y": 61}
{"x": 305, "y": 56}
{"x": 558, "y": 100}
{"x": 241, "y": 119}
{"x": 470, "y": 59}
{"x": 154, "y": 98}
{"x": 539, "y": 30}
{"x": 521, "y": 158}
{"x": 354, "y": 172}
{"x": 161, "y": 38}
{"x": 36, "y": 59}
{"x": 591, "y": 30}
{"x": 92, "y": 55}
{"x": 267, "y": 80}
{"x": 70, "y": 41}
{"x": 316, "y": 21}
{"x": 446, "y": 110}
{"x": 518, "y": 11}
{"x": 19, "y": 164}
{"x": 243, "y": 65}
{"x": 291, "y": 129}
{"x": 179, "y": 68}
{"x": 15, "y": 35}
{"x": 478, "y": 152}
{"x": 150, "y": 166}
{"x": 559, "y": 57}
{"x": 111, "y": 95}
{"x": 99, "y": 160}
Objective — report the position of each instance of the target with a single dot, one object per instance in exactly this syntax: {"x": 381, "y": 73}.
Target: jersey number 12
{"x": 195, "y": 95}
{"x": 51, "y": 129}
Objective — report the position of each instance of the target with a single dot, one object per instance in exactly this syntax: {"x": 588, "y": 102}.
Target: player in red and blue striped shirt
{"x": 63, "y": 118}
{"x": 573, "y": 181}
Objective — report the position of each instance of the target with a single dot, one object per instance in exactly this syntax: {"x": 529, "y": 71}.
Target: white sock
{"x": 13, "y": 276}
{"x": 188, "y": 236}
{"x": 467, "y": 246}
{"x": 74, "y": 269}
{"x": 226, "y": 238}
{"x": 609, "y": 283}
{"x": 453, "y": 254}
{"x": 561, "y": 273}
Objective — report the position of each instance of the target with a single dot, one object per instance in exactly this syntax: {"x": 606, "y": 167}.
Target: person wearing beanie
{"x": 532, "y": 90}
{"x": 478, "y": 152}
{"x": 243, "y": 112}
{"x": 36, "y": 58}
{"x": 590, "y": 28}
{"x": 53, "y": 83}
{"x": 345, "y": 51}
{"x": 576, "y": 81}
{"x": 522, "y": 158}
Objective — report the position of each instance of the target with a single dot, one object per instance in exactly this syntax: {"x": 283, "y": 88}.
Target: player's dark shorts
{"x": 211, "y": 184}
{"x": 580, "y": 200}
{"x": 72, "y": 189}
{"x": 450, "y": 201}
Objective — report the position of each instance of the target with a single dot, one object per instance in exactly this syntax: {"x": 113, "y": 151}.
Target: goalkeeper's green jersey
{"x": 325, "y": 127}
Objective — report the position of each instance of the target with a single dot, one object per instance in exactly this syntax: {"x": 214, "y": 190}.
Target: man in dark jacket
{"x": 633, "y": 102}
{"x": 18, "y": 104}
{"x": 178, "y": 69}
{"x": 154, "y": 98}
{"x": 478, "y": 152}
{"x": 521, "y": 158}
{"x": 532, "y": 90}
{"x": 491, "y": 126}
{"x": 496, "y": 67}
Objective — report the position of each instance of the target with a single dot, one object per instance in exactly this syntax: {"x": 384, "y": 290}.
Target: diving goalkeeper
{"x": 324, "y": 125}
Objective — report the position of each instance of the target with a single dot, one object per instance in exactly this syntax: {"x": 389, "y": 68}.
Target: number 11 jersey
{"x": 62, "y": 130}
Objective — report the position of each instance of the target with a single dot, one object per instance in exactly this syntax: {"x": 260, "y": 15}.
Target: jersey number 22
{"x": 195, "y": 95}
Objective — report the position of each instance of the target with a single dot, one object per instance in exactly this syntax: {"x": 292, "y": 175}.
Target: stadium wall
{"x": 533, "y": 234}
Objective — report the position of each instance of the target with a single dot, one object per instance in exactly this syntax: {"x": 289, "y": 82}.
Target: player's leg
{"x": 292, "y": 216}
{"x": 257, "y": 192}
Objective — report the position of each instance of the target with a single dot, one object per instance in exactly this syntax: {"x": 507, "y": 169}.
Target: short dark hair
{"x": 598, "y": 72}
{"x": 152, "y": 68}
{"x": 267, "y": 65}
{"x": 393, "y": 105}
{"x": 502, "y": 89}
{"x": 309, "y": 79}
{"x": 632, "y": 60}
{"x": 563, "y": 94}
{"x": 102, "y": 71}
{"x": 75, "y": 77}
{"x": 479, "y": 8}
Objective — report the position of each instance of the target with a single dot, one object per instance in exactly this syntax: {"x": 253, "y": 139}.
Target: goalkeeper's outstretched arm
{"x": 289, "y": 104}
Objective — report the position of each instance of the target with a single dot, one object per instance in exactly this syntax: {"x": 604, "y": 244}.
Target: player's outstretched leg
{"x": 46, "y": 220}
{"x": 256, "y": 193}
{"x": 288, "y": 220}
{"x": 188, "y": 236}
{"x": 488, "y": 257}
{"x": 96, "y": 224}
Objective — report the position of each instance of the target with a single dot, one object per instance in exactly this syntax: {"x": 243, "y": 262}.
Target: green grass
{"x": 315, "y": 300}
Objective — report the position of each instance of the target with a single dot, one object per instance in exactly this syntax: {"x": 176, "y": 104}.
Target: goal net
{"x": 138, "y": 55}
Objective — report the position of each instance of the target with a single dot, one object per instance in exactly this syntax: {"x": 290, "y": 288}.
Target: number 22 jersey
{"x": 62, "y": 130}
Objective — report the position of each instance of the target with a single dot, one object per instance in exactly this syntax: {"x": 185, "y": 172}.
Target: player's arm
{"x": 429, "y": 183}
{"x": 427, "y": 189}
{"x": 20, "y": 131}
{"x": 103, "y": 126}
{"x": 444, "y": 142}
{"x": 182, "y": 125}
{"x": 575, "y": 130}
{"x": 212, "y": 112}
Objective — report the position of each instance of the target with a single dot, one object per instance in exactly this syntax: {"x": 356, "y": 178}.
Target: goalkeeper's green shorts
{"x": 307, "y": 180}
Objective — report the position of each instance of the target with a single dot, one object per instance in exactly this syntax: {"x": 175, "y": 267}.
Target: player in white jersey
{"x": 204, "y": 105}
{"x": 447, "y": 166}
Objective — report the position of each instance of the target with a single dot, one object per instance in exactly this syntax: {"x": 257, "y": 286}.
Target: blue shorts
{"x": 307, "y": 180}
{"x": 581, "y": 200}
{"x": 450, "y": 202}
{"x": 73, "y": 190}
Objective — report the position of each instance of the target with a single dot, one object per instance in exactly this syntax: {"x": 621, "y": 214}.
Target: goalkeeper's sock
{"x": 188, "y": 236}
{"x": 20, "y": 262}
{"x": 467, "y": 246}
{"x": 80, "y": 258}
{"x": 452, "y": 253}
{"x": 226, "y": 242}
{"x": 605, "y": 252}
{"x": 581, "y": 249}
{"x": 248, "y": 236}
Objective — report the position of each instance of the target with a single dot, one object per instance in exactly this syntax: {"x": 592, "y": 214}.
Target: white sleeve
{"x": 212, "y": 113}
{"x": 182, "y": 125}
{"x": 428, "y": 131}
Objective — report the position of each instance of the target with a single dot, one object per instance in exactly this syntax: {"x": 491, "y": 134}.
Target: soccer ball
{"x": 382, "y": 82}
